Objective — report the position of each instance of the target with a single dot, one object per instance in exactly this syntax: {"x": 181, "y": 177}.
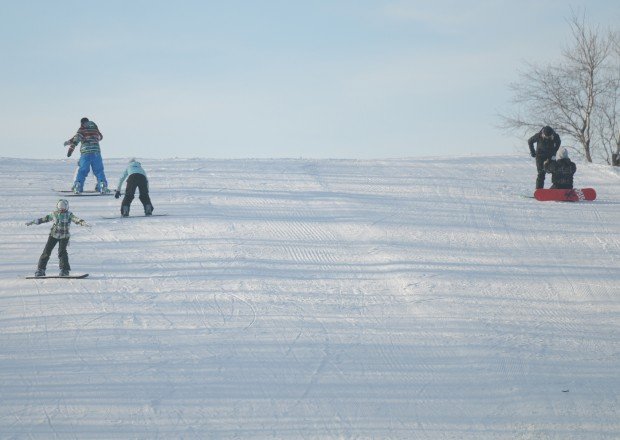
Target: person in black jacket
{"x": 547, "y": 144}
{"x": 562, "y": 170}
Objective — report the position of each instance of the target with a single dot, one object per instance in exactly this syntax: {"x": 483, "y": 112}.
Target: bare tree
{"x": 607, "y": 127}
{"x": 607, "y": 122}
{"x": 566, "y": 95}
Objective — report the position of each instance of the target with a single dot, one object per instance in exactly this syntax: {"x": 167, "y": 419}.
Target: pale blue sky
{"x": 313, "y": 79}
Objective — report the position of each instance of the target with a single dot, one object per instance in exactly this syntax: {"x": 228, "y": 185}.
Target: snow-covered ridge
{"x": 290, "y": 298}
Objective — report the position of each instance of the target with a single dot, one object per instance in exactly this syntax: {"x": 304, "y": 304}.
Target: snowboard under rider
{"x": 562, "y": 170}
{"x": 88, "y": 135}
{"x": 136, "y": 178}
{"x": 547, "y": 144}
{"x": 59, "y": 234}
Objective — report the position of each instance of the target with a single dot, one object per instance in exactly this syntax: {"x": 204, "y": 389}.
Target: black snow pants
{"x": 136, "y": 180}
{"x": 62, "y": 253}
{"x": 540, "y": 167}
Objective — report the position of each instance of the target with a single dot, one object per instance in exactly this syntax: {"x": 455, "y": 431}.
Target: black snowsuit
{"x": 546, "y": 148}
{"x": 561, "y": 173}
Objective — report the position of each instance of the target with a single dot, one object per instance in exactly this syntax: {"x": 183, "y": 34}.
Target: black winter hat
{"x": 83, "y": 120}
{"x": 547, "y": 131}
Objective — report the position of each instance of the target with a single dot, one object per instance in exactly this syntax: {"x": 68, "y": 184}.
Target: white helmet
{"x": 62, "y": 205}
{"x": 563, "y": 153}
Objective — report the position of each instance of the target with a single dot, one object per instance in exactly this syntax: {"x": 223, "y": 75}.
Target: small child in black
{"x": 562, "y": 170}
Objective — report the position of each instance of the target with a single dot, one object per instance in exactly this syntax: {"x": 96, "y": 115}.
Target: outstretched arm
{"x": 78, "y": 221}
{"x": 71, "y": 148}
{"x": 72, "y": 143}
{"x": 38, "y": 221}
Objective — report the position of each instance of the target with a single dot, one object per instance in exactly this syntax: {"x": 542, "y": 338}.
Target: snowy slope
{"x": 418, "y": 298}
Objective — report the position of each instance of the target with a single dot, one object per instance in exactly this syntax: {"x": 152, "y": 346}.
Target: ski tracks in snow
{"x": 320, "y": 299}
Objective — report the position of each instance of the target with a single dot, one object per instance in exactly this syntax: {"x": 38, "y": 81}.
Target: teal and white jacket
{"x": 62, "y": 221}
{"x": 134, "y": 167}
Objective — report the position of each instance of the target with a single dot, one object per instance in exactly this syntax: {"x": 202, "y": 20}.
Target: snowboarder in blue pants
{"x": 59, "y": 234}
{"x": 89, "y": 136}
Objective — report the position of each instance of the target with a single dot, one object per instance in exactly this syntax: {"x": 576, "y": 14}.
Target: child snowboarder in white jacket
{"x": 136, "y": 178}
{"x": 59, "y": 234}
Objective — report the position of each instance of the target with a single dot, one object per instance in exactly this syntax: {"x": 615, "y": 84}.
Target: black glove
{"x": 117, "y": 194}
{"x": 533, "y": 153}
{"x": 70, "y": 151}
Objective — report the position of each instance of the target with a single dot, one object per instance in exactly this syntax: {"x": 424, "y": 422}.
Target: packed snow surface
{"x": 301, "y": 299}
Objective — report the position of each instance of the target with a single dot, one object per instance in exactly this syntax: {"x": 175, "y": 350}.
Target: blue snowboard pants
{"x": 86, "y": 162}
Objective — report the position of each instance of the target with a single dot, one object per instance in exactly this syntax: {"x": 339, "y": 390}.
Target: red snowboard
{"x": 565, "y": 195}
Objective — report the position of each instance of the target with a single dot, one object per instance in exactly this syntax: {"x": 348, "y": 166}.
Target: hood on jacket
{"x": 562, "y": 153}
